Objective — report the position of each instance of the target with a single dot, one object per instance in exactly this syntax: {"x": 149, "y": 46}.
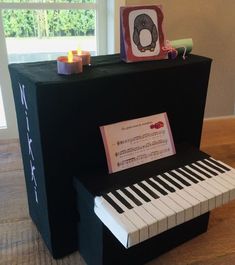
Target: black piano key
{"x": 164, "y": 184}
{"x": 139, "y": 193}
{"x": 206, "y": 169}
{"x": 148, "y": 190}
{"x": 122, "y": 200}
{"x": 193, "y": 174}
{"x": 218, "y": 164}
{"x": 186, "y": 175}
{"x": 131, "y": 196}
{"x": 179, "y": 179}
{"x": 213, "y": 166}
{"x": 111, "y": 202}
{"x": 172, "y": 181}
{"x": 200, "y": 171}
{"x": 156, "y": 187}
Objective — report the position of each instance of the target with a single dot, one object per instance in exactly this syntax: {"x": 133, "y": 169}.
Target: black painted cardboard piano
{"x": 59, "y": 119}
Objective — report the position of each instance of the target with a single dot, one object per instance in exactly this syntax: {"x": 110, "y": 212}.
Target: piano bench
{"x": 98, "y": 246}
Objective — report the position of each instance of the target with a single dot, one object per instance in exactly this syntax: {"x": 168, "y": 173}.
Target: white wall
{"x": 211, "y": 25}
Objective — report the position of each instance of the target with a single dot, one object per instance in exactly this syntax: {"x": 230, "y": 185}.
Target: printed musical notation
{"x": 141, "y": 147}
{"x": 141, "y": 137}
{"x": 135, "y": 142}
{"x": 139, "y": 158}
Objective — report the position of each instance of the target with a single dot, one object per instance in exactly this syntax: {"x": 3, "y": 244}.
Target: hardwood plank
{"x": 217, "y": 132}
{"x": 21, "y": 244}
{"x": 13, "y": 199}
{"x": 218, "y": 139}
{"x": 10, "y": 155}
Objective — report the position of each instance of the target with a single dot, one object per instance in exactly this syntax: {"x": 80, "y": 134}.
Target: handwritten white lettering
{"x": 27, "y": 120}
{"x": 32, "y": 173}
{"x": 22, "y": 96}
{"x": 29, "y": 145}
{"x": 29, "y": 140}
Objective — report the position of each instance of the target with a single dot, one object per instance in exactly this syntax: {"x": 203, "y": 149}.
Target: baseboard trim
{"x": 220, "y": 118}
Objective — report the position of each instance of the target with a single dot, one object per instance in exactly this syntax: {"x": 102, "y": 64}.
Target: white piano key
{"x": 230, "y": 187}
{"x": 213, "y": 164}
{"x": 148, "y": 217}
{"x": 193, "y": 201}
{"x": 117, "y": 223}
{"x": 188, "y": 208}
{"x": 210, "y": 187}
{"x": 218, "y": 186}
{"x": 194, "y": 204}
{"x": 195, "y": 193}
{"x": 228, "y": 179}
{"x": 171, "y": 214}
{"x": 205, "y": 192}
{"x": 231, "y": 176}
{"x": 203, "y": 201}
{"x": 177, "y": 208}
{"x": 162, "y": 205}
{"x": 140, "y": 210}
{"x": 180, "y": 212}
{"x": 223, "y": 177}
{"x": 231, "y": 180}
{"x": 134, "y": 218}
{"x": 230, "y": 172}
{"x": 224, "y": 180}
{"x": 222, "y": 163}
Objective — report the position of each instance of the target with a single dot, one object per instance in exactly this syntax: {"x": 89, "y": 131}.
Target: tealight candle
{"x": 67, "y": 65}
{"x": 85, "y": 55}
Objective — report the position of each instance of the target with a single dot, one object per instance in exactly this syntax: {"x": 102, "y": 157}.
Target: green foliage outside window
{"x": 49, "y": 23}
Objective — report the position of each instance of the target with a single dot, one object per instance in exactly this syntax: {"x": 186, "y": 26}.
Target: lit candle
{"x": 70, "y": 57}
{"x": 67, "y": 65}
{"x": 85, "y": 55}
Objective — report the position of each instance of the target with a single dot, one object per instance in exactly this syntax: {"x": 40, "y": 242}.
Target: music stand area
{"x": 64, "y": 114}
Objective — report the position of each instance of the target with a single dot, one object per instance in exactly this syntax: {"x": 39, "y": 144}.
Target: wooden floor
{"x": 20, "y": 243}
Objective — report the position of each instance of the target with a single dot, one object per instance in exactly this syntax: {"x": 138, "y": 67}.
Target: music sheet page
{"x": 138, "y": 141}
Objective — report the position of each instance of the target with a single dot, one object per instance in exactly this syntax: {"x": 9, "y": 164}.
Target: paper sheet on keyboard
{"x": 138, "y": 141}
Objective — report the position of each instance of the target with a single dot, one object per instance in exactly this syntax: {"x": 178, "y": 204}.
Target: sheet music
{"x": 138, "y": 141}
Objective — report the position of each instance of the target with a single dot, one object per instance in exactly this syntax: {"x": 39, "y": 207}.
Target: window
{"x": 34, "y": 30}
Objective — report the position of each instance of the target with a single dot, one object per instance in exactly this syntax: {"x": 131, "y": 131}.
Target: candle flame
{"x": 79, "y": 51}
{"x": 70, "y": 57}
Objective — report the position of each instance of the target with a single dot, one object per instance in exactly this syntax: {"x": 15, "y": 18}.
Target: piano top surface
{"x": 101, "y": 66}
{"x": 98, "y": 183}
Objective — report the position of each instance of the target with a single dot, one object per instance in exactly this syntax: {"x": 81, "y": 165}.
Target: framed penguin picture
{"x": 142, "y": 37}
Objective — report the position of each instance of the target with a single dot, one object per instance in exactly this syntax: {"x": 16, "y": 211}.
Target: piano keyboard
{"x": 147, "y": 208}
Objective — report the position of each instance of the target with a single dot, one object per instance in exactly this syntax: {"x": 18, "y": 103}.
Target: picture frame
{"x": 141, "y": 33}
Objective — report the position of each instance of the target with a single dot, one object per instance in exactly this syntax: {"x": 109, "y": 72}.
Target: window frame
{"x": 11, "y": 131}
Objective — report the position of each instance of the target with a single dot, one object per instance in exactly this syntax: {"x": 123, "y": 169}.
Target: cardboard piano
{"x": 59, "y": 119}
